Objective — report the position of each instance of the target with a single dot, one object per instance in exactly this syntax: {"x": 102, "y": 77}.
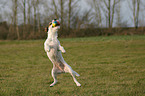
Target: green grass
{"x": 109, "y": 66}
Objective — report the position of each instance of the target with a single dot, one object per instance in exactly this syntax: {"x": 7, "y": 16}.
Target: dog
{"x": 53, "y": 49}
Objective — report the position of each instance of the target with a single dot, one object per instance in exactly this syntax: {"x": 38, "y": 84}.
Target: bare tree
{"x": 22, "y": 7}
{"x": 2, "y": 6}
{"x": 96, "y": 14}
{"x": 72, "y": 12}
{"x": 103, "y": 9}
{"x": 109, "y": 10}
{"x": 62, "y": 13}
{"x": 35, "y": 4}
{"x": 15, "y": 20}
{"x": 39, "y": 3}
{"x": 118, "y": 12}
{"x": 56, "y": 13}
{"x": 29, "y": 11}
{"x": 119, "y": 16}
{"x": 69, "y": 13}
{"x": 135, "y": 7}
{"x": 24, "y": 12}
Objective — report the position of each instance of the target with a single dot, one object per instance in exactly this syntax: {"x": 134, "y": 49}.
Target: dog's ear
{"x": 46, "y": 29}
{"x": 50, "y": 24}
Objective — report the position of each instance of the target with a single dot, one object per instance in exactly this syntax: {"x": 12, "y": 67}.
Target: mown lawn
{"x": 113, "y": 66}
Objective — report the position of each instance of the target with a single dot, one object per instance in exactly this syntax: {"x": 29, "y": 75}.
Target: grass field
{"x": 109, "y": 66}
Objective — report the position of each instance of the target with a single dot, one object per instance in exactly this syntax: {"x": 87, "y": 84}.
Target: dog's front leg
{"x": 46, "y": 47}
{"x": 61, "y": 49}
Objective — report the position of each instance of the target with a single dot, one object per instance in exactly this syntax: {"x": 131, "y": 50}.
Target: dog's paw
{"x": 51, "y": 85}
{"x": 47, "y": 49}
{"x": 63, "y": 51}
{"x": 79, "y": 85}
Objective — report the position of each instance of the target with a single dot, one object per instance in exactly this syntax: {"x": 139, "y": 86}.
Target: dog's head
{"x": 53, "y": 26}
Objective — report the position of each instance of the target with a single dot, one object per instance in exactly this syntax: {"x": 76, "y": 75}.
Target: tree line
{"x": 26, "y": 19}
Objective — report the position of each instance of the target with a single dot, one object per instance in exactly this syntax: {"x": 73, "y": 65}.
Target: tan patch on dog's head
{"x": 50, "y": 24}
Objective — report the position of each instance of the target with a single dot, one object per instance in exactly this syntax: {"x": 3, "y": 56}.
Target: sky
{"x": 125, "y": 10}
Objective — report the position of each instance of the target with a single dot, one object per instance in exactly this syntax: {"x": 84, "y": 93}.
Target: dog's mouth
{"x": 58, "y": 27}
{"x": 55, "y": 23}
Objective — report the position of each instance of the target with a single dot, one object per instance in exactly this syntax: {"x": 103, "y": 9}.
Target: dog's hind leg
{"x": 76, "y": 74}
{"x": 72, "y": 72}
{"x": 75, "y": 80}
{"x": 54, "y": 74}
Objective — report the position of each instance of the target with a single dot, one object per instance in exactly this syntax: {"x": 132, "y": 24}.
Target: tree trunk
{"x": 109, "y": 13}
{"x": 24, "y": 12}
{"x": 70, "y": 1}
{"x": 137, "y": 16}
{"x": 134, "y": 11}
{"x": 61, "y": 4}
{"x": 15, "y": 20}
{"x": 55, "y": 10}
{"x": 29, "y": 10}
{"x": 38, "y": 16}
{"x": 112, "y": 19}
{"x": 34, "y": 21}
{"x": 24, "y": 17}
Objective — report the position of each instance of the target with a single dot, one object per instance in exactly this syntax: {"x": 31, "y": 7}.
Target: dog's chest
{"x": 53, "y": 54}
{"x": 53, "y": 43}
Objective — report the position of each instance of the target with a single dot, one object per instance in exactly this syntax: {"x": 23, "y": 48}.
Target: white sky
{"x": 126, "y": 11}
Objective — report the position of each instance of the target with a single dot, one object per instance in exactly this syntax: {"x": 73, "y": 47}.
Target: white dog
{"x": 53, "y": 49}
